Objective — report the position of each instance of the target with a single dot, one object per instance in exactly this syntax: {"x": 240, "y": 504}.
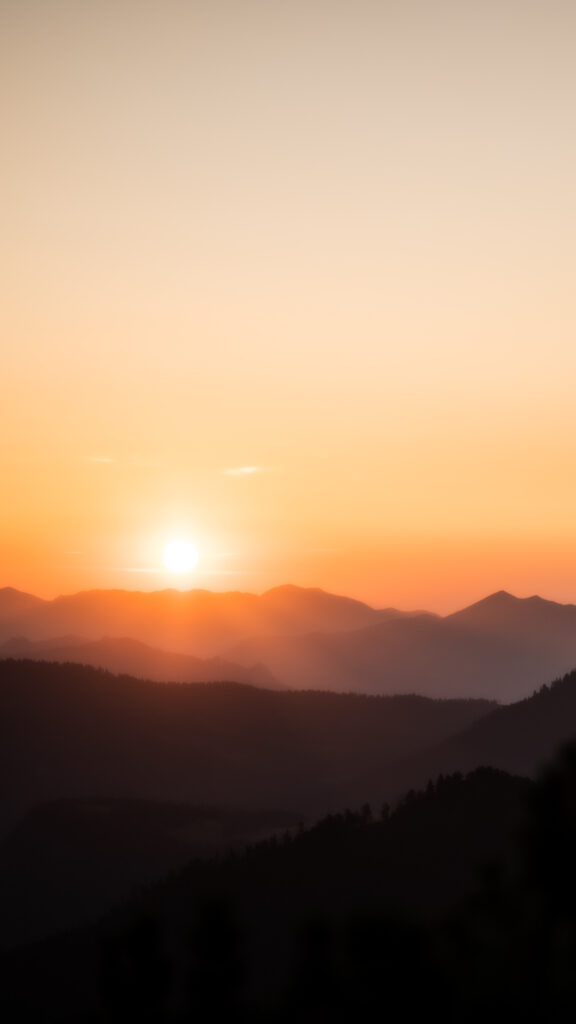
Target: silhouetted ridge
{"x": 125, "y": 655}
{"x": 363, "y": 887}
{"x": 504, "y": 609}
{"x": 358, "y": 888}
{"x": 69, "y": 861}
{"x": 518, "y": 738}
{"x": 68, "y": 730}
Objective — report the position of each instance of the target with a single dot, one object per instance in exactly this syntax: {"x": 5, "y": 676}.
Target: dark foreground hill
{"x": 519, "y": 738}
{"x": 69, "y": 861}
{"x": 460, "y": 905}
{"x": 71, "y": 731}
{"x": 68, "y": 731}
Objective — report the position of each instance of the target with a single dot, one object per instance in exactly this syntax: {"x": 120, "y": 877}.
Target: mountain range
{"x": 199, "y": 622}
{"x": 124, "y": 655}
{"x": 69, "y": 731}
{"x": 106, "y": 781}
{"x": 445, "y": 906}
{"x": 500, "y": 648}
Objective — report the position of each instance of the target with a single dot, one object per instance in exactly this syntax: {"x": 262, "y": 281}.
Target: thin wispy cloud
{"x": 104, "y": 459}
{"x": 243, "y": 470}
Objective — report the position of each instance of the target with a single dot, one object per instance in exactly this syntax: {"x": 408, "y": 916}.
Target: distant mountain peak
{"x": 497, "y": 604}
{"x": 14, "y": 592}
{"x": 503, "y": 598}
{"x": 500, "y": 596}
{"x": 15, "y": 600}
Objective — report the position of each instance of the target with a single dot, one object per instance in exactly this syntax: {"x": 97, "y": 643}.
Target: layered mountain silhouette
{"x": 501, "y": 648}
{"x": 77, "y": 732}
{"x": 519, "y": 738}
{"x": 198, "y": 622}
{"x": 123, "y": 655}
{"x": 108, "y": 781}
{"x": 72, "y": 731}
{"x": 152, "y": 773}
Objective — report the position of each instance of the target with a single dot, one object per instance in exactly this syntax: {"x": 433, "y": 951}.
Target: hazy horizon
{"x": 292, "y": 282}
{"x": 192, "y": 587}
{"x": 288, "y": 301}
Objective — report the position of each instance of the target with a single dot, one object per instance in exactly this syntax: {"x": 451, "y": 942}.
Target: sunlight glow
{"x": 180, "y": 556}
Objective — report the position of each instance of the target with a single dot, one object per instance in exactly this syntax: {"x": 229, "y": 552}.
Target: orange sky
{"x": 330, "y": 242}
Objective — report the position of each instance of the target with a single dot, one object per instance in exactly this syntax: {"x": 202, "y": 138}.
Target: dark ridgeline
{"x": 459, "y": 901}
{"x": 68, "y": 731}
{"x": 460, "y": 904}
{"x": 72, "y": 731}
{"x": 109, "y": 781}
{"x": 69, "y": 861}
{"x": 519, "y": 738}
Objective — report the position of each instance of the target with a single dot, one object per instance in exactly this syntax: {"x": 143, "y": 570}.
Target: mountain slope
{"x": 502, "y": 612}
{"x": 325, "y": 924}
{"x": 519, "y": 738}
{"x": 72, "y": 731}
{"x": 71, "y": 860}
{"x": 501, "y": 648}
{"x": 123, "y": 655}
{"x": 15, "y": 604}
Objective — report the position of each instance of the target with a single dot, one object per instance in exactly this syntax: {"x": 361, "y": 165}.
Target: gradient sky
{"x": 330, "y": 242}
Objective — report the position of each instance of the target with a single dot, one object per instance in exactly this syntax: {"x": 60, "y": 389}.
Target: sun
{"x": 179, "y": 556}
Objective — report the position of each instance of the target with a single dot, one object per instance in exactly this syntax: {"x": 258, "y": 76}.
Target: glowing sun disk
{"x": 179, "y": 556}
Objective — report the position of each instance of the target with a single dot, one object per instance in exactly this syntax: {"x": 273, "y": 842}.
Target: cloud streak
{"x": 240, "y": 471}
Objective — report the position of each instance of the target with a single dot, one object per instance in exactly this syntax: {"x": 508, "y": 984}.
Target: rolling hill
{"x": 323, "y": 925}
{"x": 69, "y": 731}
{"x": 123, "y": 655}
{"x": 519, "y": 738}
